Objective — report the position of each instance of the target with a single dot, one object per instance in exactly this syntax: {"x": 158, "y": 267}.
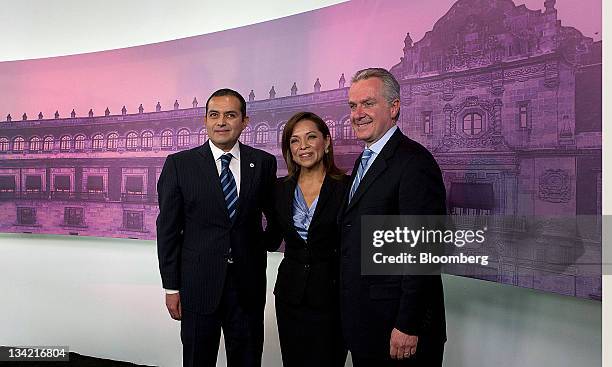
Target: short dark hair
{"x": 229, "y": 92}
{"x": 328, "y": 159}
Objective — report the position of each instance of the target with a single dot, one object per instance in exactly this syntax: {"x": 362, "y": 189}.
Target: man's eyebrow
{"x": 224, "y": 112}
{"x": 367, "y": 99}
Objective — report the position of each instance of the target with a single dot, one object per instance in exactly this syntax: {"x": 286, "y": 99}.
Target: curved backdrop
{"x": 507, "y": 97}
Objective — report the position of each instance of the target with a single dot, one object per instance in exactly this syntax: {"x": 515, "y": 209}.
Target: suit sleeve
{"x": 272, "y": 234}
{"x": 421, "y": 192}
{"x": 170, "y": 225}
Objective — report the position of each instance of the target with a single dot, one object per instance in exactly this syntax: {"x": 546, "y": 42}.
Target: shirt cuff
{"x": 171, "y": 291}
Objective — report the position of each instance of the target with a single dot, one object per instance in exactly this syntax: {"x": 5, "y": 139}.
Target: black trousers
{"x": 243, "y": 332}
{"x": 428, "y": 355}
{"x": 310, "y": 336}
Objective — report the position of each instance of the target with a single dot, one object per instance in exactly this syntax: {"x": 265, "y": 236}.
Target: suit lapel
{"x": 377, "y": 168}
{"x": 344, "y": 206}
{"x": 288, "y": 205}
{"x": 247, "y": 172}
{"x": 327, "y": 189}
{"x": 209, "y": 167}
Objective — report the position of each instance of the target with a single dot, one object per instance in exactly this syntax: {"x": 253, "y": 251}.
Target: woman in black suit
{"x": 306, "y": 207}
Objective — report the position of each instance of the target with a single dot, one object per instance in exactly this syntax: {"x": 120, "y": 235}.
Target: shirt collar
{"x": 217, "y": 153}
{"x": 380, "y": 144}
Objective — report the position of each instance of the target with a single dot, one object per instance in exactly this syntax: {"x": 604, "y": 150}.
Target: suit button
{"x": 306, "y": 266}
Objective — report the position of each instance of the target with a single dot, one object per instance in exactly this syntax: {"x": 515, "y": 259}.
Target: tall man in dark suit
{"x": 389, "y": 320}
{"x": 212, "y": 254}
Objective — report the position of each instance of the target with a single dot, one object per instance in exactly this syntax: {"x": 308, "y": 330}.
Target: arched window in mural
{"x": 472, "y": 123}
{"x": 247, "y": 136}
{"x": 4, "y": 144}
{"x": 183, "y": 138}
{"x": 261, "y": 134}
{"x": 111, "y": 142}
{"x": 79, "y": 142}
{"x": 202, "y": 136}
{"x": 131, "y": 140}
{"x": 347, "y": 130}
{"x": 280, "y": 129}
{"x": 166, "y": 139}
{"x": 97, "y": 142}
{"x": 35, "y": 144}
{"x": 48, "y": 144}
{"x": 18, "y": 144}
{"x": 331, "y": 125}
{"x": 65, "y": 142}
{"x": 147, "y": 139}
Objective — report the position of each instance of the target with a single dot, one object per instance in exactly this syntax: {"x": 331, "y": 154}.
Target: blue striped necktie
{"x": 365, "y": 157}
{"x": 230, "y": 191}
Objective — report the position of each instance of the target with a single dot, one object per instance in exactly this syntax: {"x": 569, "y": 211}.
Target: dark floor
{"x": 76, "y": 360}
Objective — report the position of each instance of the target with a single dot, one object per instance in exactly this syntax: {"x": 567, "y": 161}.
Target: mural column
{"x": 151, "y": 185}
{"x": 78, "y": 180}
{"x": 449, "y": 128}
{"x": 497, "y": 106}
{"x": 510, "y": 179}
{"x": 47, "y": 181}
{"x": 114, "y": 183}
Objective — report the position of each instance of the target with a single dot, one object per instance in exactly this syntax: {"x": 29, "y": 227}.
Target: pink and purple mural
{"x": 507, "y": 97}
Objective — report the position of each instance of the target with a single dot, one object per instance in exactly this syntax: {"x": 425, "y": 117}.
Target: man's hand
{"x": 173, "y": 303}
{"x": 402, "y": 345}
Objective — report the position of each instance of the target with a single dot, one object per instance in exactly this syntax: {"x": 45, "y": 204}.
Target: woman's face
{"x": 307, "y": 144}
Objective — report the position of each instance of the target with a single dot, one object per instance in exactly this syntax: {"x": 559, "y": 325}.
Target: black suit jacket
{"x": 195, "y": 234}
{"x": 309, "y": 271}
{"x": 403, "y": 180}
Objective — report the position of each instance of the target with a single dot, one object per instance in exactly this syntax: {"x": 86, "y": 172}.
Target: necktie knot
{"x": 365, "y": 157}
{"x": 225, "y": 160}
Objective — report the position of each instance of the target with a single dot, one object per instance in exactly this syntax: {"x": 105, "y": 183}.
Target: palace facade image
{"x": 506, "y": 98}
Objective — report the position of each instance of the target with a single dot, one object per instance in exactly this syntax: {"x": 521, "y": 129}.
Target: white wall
{"x": 43, "y": 28}
{"x": 102, "y": 296}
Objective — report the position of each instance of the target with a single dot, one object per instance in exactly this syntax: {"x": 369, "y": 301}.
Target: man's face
{"x": 371, "y": 114}
{"x": 224, "y": 121}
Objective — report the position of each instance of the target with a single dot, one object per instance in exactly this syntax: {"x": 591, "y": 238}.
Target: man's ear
{"x": 395, "y": 109}
{"x": 245, "y": 121}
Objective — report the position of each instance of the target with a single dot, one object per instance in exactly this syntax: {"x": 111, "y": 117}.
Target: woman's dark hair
{"x": 328, "y": 158}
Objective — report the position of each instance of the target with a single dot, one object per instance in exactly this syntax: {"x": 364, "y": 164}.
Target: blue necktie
{"x": 365, "y": 157}
{"x": 230, "y": 191}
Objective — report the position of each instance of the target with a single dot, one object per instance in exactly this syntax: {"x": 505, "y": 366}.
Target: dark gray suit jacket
{"x": 195, "y": 234}
{"x": 403, "y": 180}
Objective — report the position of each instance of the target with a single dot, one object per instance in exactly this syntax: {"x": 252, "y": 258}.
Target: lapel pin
{"x": 252, "y": 165}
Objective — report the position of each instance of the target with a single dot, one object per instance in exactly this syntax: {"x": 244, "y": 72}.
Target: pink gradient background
{"x": 300, "y": 48}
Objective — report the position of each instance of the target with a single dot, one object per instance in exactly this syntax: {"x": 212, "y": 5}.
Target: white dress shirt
{"x": 377, "y": 147}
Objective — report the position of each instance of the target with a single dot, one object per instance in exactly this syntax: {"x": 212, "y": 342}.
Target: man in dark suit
{"x": 392, "y": 320}
{"x": 212, "y": 254}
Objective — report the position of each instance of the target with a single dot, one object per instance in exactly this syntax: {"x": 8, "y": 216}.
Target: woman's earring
{"x": 326, "y": 150}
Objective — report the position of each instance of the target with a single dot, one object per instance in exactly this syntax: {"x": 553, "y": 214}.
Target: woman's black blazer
{"x": 309, "y": 271}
